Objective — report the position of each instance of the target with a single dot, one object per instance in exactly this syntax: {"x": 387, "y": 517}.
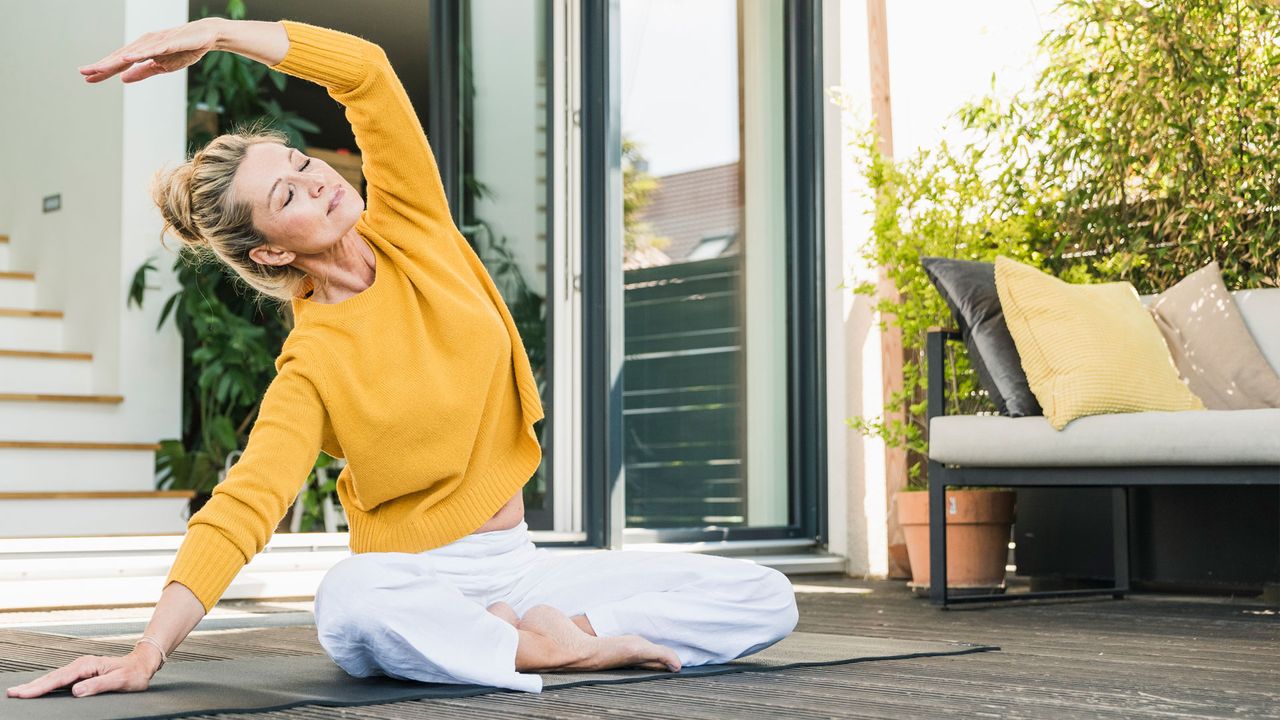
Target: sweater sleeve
{"x": 238, "y": 520}
{"x": 398, "y": 164}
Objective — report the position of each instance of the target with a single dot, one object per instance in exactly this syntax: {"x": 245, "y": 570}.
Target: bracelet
{"x": 163, "y": 656}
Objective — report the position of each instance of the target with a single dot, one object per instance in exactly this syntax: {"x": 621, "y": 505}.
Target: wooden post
{"x": 895, "y": 461}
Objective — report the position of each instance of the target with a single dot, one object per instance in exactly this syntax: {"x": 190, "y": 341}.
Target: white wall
{"x": 942, "y": 53}
{"x": 149, "y": 368}
{"x": 855, "y": 465}
{"x": 97, "y": 146}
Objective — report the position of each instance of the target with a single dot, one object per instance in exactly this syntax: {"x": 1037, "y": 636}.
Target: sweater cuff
{"x": 206, "y": 563}
{"x": 329, "y": 57}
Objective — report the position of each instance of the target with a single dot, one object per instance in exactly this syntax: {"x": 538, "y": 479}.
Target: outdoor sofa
{"x": 1118, "y": 451}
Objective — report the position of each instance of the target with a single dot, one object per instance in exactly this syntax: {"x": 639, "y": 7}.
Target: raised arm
{"x": 398, "y": 163}
{"x": 399, "y": 166}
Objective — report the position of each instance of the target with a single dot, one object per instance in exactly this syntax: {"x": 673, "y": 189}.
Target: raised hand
{"x": 157, "y": 52}
{"x": 131, "y": 673}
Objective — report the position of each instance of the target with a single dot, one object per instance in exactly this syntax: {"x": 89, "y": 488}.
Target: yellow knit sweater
{"x": 420, "y": 381}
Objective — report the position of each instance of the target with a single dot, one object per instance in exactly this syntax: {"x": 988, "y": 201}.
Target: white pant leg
{"x": 422, "y": 616}
{"x": 709, "y": 609}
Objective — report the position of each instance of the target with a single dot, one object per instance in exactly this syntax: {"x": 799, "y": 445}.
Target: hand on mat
{"x": 131, "y": 673}
{"x": 156, "y": 52}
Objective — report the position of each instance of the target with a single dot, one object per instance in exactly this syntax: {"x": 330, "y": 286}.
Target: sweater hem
{"x": 462, "y": 512}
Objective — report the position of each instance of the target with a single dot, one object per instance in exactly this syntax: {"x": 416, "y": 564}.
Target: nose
{"x": 315, "y": 183}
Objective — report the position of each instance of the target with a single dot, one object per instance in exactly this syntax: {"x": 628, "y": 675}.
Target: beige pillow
{"x": 1087, "y": 349}
{"x": 1215, "y": 354}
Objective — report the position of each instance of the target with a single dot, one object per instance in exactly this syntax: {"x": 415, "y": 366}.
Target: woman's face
{"x": 300, "y": 204}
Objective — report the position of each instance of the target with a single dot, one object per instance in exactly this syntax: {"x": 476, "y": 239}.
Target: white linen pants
{"x": 423, "y": 616}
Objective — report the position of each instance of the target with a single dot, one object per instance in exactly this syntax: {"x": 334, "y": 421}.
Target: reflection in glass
{"x": 704, "y": 263}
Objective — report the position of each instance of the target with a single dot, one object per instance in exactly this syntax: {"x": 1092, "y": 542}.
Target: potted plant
{"x": 978, "y": 525}
{"x": 937, "y": 203}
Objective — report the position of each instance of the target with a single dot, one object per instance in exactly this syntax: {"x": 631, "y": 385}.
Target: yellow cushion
{"x": 1088, "y": 349}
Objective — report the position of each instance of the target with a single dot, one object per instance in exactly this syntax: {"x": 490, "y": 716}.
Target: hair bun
{"x": 172, "y": 194}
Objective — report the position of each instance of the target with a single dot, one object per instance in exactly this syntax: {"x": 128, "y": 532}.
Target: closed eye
{"x": 304, "y": 167}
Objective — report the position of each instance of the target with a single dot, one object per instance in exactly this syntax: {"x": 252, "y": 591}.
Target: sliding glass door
{"x": 640, "y": 177}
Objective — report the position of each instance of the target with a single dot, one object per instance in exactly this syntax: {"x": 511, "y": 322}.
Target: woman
{"x": 405, "y": 360}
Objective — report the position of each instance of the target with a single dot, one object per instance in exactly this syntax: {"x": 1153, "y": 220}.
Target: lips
{"x": 333, "y": 201}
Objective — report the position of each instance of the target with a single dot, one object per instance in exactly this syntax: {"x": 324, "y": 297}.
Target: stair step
{"x": 96, "y": 494}
{"x": 27, "y": 332}
{"x": 17, "y": 275}
{"x": 54, "y": 375}
{"x": 29, "y": 313}
{"x": 49, "y": 354}
{"x": 65, "y": 421}
{"x": 76, "y": 466}
{"x": 63, "y": 514}
{"x": 51, "y": 397}
{"x": 74, "y": 445}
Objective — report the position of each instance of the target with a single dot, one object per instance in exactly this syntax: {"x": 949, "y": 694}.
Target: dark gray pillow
{"x": 969, "y": 289}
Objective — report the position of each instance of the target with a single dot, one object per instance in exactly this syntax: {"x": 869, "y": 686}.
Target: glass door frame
{"x": 599, "y": 124}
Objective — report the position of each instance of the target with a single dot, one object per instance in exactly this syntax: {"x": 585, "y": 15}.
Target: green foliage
{"x": 313, "y": 496}
{"x": 1147, "y": 147}
{"x": 939, "y": 204}
{"x": 1151, "y": 140}
{"x": 231, "y": 343}
{"x": 234, "y": 88}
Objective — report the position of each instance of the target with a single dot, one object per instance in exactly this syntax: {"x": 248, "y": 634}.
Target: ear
{"x": 268, "y": 255}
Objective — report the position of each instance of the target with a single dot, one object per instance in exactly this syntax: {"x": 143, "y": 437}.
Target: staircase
{"x": 64, "y": 484}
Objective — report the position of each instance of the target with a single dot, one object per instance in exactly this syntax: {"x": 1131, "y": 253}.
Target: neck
{"x": 343, "y": 270}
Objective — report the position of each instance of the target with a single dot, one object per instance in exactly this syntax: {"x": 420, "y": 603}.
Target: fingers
{"x": 117, "y": 674}
{"x": 103, "y": 69}
{"x": 144, "y": 48}
{"x": 82, "y": 667}
{"x": 142, "y": 71}
{"x": 115, "y": 62}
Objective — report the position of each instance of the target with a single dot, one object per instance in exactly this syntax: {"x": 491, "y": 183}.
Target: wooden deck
{"x": 1144, "y": 657}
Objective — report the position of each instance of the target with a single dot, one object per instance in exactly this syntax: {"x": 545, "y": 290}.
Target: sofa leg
{"x": 937, "y": 534}
{"x": 1120, "y": 539}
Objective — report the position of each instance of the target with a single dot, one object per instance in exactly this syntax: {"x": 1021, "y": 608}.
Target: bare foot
{"x": 506, "y": 612}
{"x": 596, "y": 653}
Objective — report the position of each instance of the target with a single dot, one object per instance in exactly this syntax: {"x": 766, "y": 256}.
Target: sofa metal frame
{"x": 1120, "y": 478}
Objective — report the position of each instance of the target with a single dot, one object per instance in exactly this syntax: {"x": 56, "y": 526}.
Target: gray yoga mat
{"x": 183, "y": 689}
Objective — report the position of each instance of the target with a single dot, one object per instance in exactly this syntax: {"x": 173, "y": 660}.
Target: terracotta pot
{"x": 978, "y": 523}
{"x": 899, "y": 562}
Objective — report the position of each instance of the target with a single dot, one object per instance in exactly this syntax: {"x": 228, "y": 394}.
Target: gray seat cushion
{"x": 1193, "y": 437}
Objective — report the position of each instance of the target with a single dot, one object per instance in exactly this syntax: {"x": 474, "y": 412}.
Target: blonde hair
{"x": 198, "y": 207}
